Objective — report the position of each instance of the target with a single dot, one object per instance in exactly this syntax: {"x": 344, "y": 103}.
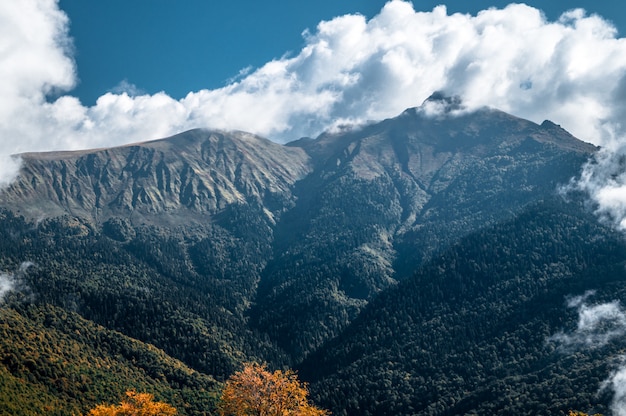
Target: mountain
{"x": 197, "y": 172}
{"x": 384, "y": 198}
{"x": 380, "y": 260}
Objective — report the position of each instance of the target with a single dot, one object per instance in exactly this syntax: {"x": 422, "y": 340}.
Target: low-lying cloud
{"x": 597, "y": 326}
{"x": 350, "y": 70}
{"x": 604, "y": 179}
{"x": 6, "y": 285}
{"x": 617, "y": 383}
{"x": 14, "y": 282}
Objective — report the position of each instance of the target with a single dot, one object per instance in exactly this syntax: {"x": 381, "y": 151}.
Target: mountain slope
{"x": 383, "y": 199}
{"x": 185, "y": 293}
{"x": 197, "y": 172}
{"x": 163, "y": 241}
{"x": 56, "y": 363}
{"x": 468, "y": 333}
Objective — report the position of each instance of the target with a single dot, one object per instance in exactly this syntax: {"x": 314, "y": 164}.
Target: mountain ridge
{"x": 404, "y": 185}
{"x": 276, "y": 167}
{"x": 210, "y": 170}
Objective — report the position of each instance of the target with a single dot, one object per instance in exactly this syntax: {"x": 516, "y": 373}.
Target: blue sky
{"x": 178, "y": 47}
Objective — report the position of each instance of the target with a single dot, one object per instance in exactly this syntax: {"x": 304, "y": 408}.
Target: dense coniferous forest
{"x": 418, "y": 265}
{"x": 469, "y": 332}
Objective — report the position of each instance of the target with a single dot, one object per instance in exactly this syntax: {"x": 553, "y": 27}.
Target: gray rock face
{"x": 193, "y": 173}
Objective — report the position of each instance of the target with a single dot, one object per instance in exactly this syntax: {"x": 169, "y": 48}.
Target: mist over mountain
{"x": 415, "y": 265}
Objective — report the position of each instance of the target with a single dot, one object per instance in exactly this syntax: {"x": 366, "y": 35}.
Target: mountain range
{"x": 417, "y": 265}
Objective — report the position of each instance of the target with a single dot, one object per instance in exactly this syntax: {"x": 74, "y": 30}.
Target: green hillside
{"x": 54, "y": 362}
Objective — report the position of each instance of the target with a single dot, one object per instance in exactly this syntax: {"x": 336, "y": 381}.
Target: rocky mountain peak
{"x": 443, "y": 103}
{"x": 199, "y": 171}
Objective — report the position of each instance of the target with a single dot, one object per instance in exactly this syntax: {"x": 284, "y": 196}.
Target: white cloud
{"x": 6, "y": 285}
{"x": 617, "y": 383}
{"x": 9, "y": 167}
{"x": 597, "y": 324}
{"x": 604, "y": 180}
{"x": 572, "y": 71}
{"x": 14, "y": 282}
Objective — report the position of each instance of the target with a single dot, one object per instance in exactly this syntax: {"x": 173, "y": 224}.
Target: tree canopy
{"x": 135, "y": 404}
{"x": 257, "y": 391}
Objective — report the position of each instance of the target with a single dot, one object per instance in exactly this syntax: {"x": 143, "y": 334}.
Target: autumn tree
{"x": 259, "y": 392}
{"x": 135, "y": 404}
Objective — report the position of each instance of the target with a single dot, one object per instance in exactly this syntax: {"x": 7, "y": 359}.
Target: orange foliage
{"x": 135, "y": 404}
{"x": 256, "y": 391}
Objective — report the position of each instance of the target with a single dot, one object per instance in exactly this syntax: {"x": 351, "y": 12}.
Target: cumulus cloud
{"x": 351, "y": 70}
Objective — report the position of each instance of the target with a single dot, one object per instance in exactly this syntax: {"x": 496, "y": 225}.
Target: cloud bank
{"x": 350, "y": 70}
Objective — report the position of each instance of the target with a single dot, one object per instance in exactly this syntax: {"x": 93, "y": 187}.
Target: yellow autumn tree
{"x": 135, "y": 404}
{"x": 257, "y": 391}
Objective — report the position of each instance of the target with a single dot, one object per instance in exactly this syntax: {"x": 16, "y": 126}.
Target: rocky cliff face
{"x": 425, "y": 156}
{"x": 204, "y": 171}
{"x": 197, "y": 172}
